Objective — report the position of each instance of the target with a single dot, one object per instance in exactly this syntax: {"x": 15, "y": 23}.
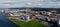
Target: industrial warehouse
{"x": 48, "y": 18}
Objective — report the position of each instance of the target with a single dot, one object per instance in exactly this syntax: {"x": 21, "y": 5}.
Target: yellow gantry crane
{"x": 53, "y": 11}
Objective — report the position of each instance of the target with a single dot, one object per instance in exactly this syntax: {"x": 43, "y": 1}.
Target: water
{"x": 4, "y": 22}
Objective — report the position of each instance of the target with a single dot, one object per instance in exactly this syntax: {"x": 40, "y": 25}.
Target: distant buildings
{"x": 2, "y": 11}
{"x": 29, "y": 13}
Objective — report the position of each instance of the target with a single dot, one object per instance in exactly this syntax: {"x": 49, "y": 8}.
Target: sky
{"x": 30, "y": 3}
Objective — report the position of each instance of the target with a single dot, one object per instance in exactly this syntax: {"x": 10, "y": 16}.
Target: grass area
{"x": 32, "y": 23}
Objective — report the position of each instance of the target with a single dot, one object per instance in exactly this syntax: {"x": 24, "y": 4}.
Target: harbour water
{"x": 4, "y": 22}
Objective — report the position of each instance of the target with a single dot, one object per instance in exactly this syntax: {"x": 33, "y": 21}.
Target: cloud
{"x": 30, "y": 3}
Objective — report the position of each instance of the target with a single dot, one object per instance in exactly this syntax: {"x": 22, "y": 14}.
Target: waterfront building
{"x": 2, "y": 11}
{"x": 48, "y": 13}
{"x": 53, "y": 13}
{"x": 43, "y": 12}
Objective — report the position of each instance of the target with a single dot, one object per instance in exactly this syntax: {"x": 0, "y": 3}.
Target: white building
{"x": 48, "y": 13}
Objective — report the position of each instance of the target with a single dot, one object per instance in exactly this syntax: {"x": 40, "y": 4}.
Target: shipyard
{"x": 26, "y": 15}
{"x": 29, "y": 13}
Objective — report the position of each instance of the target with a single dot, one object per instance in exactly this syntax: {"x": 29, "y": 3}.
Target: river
{"x": 4, "y": 22}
